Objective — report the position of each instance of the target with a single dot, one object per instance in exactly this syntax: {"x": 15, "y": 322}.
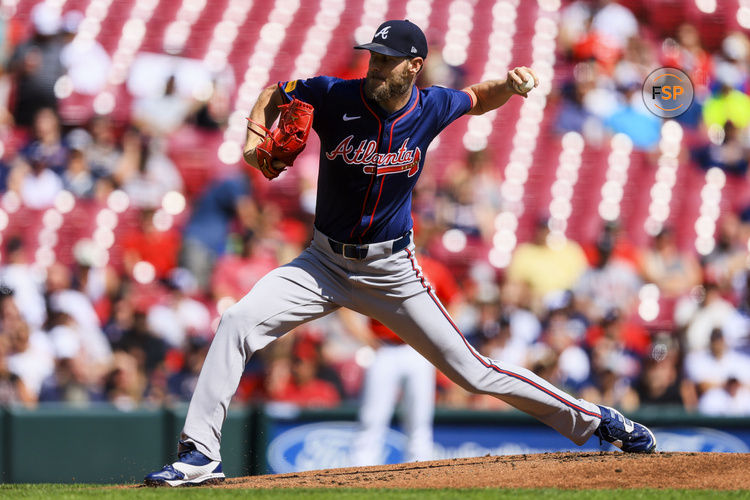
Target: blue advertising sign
{"x": 322, "y": 445}
{"x": 295, "y": 446}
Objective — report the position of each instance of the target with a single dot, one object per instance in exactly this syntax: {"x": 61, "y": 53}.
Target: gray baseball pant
{"x": 388, "y": 287}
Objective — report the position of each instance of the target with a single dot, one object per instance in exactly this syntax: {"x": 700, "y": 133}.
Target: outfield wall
{"x": 105, "y": 445}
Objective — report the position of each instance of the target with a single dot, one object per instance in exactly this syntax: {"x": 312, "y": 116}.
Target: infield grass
{"x": 64, "y": 491}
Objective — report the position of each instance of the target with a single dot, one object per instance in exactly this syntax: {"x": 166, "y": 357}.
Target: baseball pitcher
{"x": 374, "y": 133}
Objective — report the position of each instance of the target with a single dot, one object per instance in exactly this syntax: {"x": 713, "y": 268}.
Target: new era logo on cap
{"x": 398, "y": 38}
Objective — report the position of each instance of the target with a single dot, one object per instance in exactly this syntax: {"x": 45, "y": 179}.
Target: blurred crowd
{"x": 134, "y": 330}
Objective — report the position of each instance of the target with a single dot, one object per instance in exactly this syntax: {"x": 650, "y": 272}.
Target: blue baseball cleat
{"x": 192, "y": 468}
{"x": 624, "y": 433}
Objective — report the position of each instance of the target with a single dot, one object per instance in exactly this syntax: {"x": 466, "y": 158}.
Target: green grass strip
{"x": 57, "y": 491}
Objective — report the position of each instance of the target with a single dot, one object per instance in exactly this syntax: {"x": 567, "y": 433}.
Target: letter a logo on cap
{"x": 382, "y": 33}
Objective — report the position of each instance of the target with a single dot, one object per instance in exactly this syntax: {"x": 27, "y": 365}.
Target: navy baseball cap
{"x": 398, "y": 38}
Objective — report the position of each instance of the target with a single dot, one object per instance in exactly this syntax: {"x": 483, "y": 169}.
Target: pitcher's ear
{"x": 416, "y": 64}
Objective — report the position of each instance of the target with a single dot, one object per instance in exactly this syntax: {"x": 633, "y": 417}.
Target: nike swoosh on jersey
{"x": 349, "y": 118}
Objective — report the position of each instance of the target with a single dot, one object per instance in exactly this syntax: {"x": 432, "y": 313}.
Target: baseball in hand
{"x": 526, "y": 85}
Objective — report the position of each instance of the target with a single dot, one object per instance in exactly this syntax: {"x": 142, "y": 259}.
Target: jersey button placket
{"x": 382, "y": 147}
{"x": 373, "y": 184}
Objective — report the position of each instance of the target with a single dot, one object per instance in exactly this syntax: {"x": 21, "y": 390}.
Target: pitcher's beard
{"x": 390, "y": 89}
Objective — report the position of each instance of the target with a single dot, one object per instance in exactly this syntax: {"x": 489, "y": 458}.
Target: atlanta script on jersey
{"x": 370, "y": 160}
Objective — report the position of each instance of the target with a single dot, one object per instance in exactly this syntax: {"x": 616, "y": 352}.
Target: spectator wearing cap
{"x": 36, "y": 65}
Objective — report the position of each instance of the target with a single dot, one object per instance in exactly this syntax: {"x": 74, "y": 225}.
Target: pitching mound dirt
{"x": 721, "y": 471}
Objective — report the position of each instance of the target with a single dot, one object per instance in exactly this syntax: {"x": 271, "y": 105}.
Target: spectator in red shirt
{"x": 235, "y": 274}
{"x": 147, "y": 243}
{"x": 302, "y": 386}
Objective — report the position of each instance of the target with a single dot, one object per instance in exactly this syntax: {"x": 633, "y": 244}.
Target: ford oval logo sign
{"x": 325, "y": 445}
{"x": 698, "y": 439}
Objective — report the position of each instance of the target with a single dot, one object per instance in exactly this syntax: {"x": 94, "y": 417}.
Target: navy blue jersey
{"x": 370, "y": 160}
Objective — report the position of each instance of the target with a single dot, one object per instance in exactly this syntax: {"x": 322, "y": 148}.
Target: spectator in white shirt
{"x": 713, "y": 367}
{"x": 179, "y": 316}
{"x": 30, "y": 353}
{"x": 701, "y": 318}
{"x": 65, "y": 299}
{"x": 23, "y": 282}
{"x": 85, "y": 60}
{"x": 731, "y": 400}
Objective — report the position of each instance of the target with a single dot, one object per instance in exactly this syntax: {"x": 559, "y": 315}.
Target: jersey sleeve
{"x": 450, "y": 104}
{"x": 312, "y": 90}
